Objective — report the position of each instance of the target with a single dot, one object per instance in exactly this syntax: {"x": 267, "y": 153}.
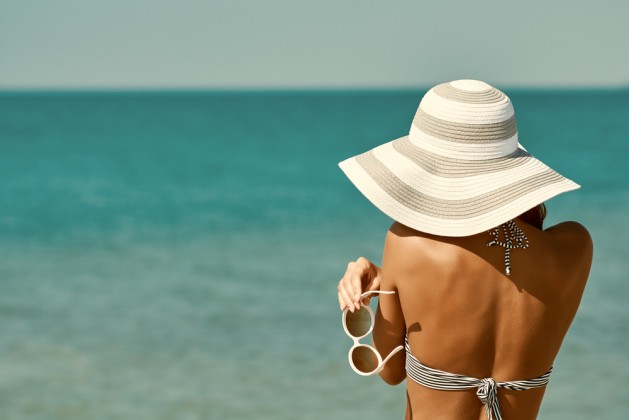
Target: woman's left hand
{"x": 361, "y": 275}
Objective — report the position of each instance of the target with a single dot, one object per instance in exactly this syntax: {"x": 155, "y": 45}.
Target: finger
{"x": 356, "y": 282}
{"x": 346, "y": 299}
{"x": 346, "y": 294}
{"x": 363, "y": 261}
{"x": 348, "y": 282}
{"x": 375, "y": 284}
{"x": 369, "y": 274}
{"x": 341, "y": 302}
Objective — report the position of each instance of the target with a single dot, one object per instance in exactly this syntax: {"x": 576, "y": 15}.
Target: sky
{"x": 243, "y": 44}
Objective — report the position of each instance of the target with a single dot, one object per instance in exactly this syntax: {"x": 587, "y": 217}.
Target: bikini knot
{"x": 487, "y": 394}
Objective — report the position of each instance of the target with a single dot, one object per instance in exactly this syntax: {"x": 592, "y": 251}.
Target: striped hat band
{"x": 474, "y": 124}
{"x": 460, "y": 170}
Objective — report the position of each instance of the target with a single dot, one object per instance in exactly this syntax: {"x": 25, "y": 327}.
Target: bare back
{"x": 462, "y": 314}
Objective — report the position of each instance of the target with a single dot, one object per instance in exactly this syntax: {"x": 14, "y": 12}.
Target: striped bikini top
{"x": 486, "y": 388}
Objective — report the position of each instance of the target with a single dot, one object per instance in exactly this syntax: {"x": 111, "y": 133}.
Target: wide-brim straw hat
{"x": 460, "y": 170}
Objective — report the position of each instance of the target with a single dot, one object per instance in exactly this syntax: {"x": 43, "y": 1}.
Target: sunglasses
{"x": 363, "y": 358}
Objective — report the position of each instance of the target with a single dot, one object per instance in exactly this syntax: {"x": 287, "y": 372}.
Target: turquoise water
{"x": 175, "y": 255}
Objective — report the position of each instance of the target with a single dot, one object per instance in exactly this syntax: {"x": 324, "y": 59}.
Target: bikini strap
{"x": 514, "y": 237}
{"x": 486, "y": 388}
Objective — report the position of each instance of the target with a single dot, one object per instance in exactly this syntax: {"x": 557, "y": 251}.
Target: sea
{"x": 175, "y": 254}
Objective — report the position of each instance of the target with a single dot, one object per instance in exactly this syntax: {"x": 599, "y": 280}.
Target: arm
{"x": 390, "y": 328}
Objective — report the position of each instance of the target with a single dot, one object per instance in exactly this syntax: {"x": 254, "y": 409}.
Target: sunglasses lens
{"x": 358, "y": 322}
{"x": 364, "y": 359}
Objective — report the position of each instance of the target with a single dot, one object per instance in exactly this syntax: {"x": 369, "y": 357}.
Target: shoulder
{"x": 568, "y": 226}
{"x": 402, "y": 239}
{"x": 400, "y": 251}
{"x": 573, "y": 235}
{"x": 406, "y": 250}
{"x": 574, "y": 243}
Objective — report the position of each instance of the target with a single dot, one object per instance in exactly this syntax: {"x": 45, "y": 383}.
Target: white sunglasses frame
{"x": 356, "y": 340}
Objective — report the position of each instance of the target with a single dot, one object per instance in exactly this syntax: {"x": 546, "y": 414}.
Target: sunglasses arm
{"x": 373, "y": 292}
{"x": 393, "y": 352}
{"x": 386, "y": 359}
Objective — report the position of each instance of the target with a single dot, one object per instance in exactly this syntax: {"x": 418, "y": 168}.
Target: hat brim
{"x": 451, "y": 197}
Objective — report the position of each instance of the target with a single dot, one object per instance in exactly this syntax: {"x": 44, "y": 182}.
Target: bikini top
{"x": 486, "y": 388}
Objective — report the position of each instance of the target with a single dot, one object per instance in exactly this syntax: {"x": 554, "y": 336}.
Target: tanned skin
{"x": 464, "y": 315}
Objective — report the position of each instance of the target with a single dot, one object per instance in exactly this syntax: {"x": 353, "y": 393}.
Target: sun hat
{"x": 460, "y": 170}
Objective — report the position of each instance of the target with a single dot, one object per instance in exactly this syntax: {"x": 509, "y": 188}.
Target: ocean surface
{"x": 175, "y": 255}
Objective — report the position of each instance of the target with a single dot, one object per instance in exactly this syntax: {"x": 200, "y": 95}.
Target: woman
{"x": 483, "y": 294}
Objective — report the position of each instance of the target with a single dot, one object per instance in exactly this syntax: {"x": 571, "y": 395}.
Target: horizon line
{"x": 284, "y": 89}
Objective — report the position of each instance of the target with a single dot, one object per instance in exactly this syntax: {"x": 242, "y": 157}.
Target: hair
{"x": 535, "y": 216}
